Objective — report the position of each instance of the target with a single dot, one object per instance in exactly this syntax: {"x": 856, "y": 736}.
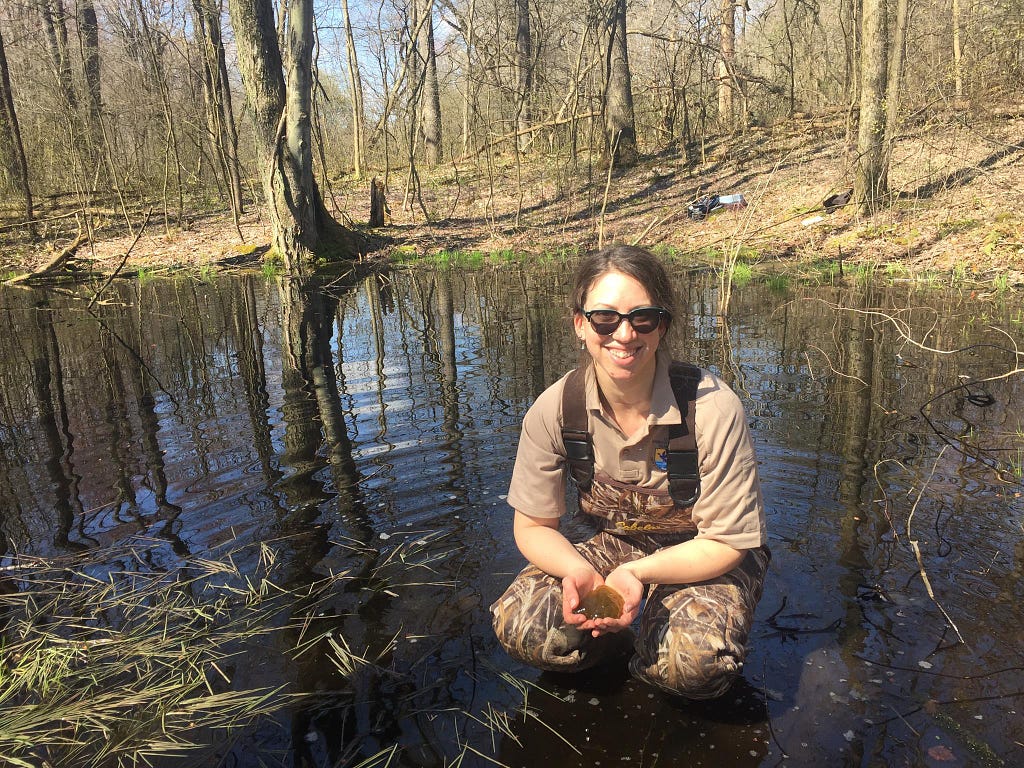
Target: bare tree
{"x": 281, "y": 112}
{"x": 356, "y": 83}
{"x": 430, "y": 99}
{"x": 10, "y": 134}
{"x": 524, "y": 72}
{"x": 620, "y": 124}
{"x": 871, "y": 178}
{"x": 220, "y": 118}
{"x": 89, "y": 32}
{"x": 727, "y": 66}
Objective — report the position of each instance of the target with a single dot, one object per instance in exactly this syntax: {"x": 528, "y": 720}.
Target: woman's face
{"x": 625, "y": 354}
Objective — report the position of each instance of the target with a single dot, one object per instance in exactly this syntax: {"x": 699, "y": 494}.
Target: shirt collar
{"x": 664, "y": 409}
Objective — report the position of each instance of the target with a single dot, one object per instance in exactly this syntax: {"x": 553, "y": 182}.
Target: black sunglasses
{"x": 643, "y": 319}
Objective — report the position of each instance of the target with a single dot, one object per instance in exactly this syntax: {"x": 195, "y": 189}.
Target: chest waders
{"x": 682, "y": 460}
{"x": 690, "y": 639}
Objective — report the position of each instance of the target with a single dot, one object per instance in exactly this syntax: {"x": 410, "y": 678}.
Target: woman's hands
{"x": 579, "y": 583}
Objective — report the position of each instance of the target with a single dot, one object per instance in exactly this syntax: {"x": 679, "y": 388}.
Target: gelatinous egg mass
{"x": 603, "y": 603}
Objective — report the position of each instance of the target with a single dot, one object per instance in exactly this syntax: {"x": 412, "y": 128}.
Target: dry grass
{"x": 118, "y": 664}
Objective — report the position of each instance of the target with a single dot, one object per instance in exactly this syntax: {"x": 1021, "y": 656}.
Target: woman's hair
{"x": 638, "y": 263}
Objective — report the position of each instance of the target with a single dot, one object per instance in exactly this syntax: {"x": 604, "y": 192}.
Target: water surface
{"x": 369, "y": 426}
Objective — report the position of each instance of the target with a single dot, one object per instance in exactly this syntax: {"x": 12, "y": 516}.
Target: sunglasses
{"x": 643, "y": 319}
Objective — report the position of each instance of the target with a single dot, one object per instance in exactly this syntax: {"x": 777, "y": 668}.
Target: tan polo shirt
{"x": 730, "y": 508}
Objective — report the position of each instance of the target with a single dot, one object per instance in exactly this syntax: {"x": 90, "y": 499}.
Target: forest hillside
{"x": 956, "y": 212}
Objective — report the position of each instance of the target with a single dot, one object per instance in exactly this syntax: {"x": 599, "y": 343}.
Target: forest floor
{"x": 956, "y": 212}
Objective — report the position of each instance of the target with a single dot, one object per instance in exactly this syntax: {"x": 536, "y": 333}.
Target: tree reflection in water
{"x": 368, "y": 427}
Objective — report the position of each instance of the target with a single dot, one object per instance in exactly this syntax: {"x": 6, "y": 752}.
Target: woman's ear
{"x": 577, "y": 323}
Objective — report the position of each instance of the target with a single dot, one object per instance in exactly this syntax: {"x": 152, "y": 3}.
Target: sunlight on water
{"x": 375, "y": 426}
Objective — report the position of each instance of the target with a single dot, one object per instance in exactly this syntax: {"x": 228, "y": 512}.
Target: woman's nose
{"x": 624, "y": 332}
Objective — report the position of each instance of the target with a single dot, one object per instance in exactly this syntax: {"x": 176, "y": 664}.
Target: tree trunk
{"x": 281, "y": 113}
{"x": 220, "y": 118}
{"x": 89, "y": 30}
{"x": 471, "y": 88}
{"x": 524, "y": 73}
{"x": 10, "y": 134}
{"x": 358, "y": 115}
{"x": 958, "y": 56}
{"x": 620, "y": 127}
{"x": 726, "y": 66}
{"x": 871, "y": 179}
{"x": 894, "y": 80}
{"x": 430, "y": 99}
{"x": 56, "y": 31}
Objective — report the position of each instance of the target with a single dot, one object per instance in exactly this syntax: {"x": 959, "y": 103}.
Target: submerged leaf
{"x": 603, "y": 603}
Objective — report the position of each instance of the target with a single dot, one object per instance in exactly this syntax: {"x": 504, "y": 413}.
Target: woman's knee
{"x": 684, "y": 668}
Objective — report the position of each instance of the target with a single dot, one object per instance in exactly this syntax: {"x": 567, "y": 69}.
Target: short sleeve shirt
{"x": 730, "y": 508}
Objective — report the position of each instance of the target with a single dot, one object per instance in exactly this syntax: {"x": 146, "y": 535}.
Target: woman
{"x": 701, "y": 563}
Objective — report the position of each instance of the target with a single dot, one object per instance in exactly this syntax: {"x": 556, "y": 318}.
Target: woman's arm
{"x": 540, "y": 541}
{"x": 686, "y": 563}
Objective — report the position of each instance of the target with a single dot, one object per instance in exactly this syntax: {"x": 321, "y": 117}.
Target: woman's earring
{"x": 583, "y": 344}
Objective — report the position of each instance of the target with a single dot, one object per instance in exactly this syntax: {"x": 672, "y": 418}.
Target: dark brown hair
{"x": 638, "y": 263}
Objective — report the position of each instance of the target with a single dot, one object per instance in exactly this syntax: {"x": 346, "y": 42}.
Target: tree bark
{"x": 89, "y": 30}
{"x": 524, "y": 73}
{"x": 10, "y": 132}
{"x": 221, "y": 130}
{"x": 871, "y": 178}
{"x": 620, "y": 126}
{"x": 56, "y": 31}
{"x": 958, "y": 57}
{"x": 894, "y": 80}
{"x": 356, "y": 82}
{"x": 726, "y": 66}
{"x": 281, "y": 114}
{"x": 430, "y": 98}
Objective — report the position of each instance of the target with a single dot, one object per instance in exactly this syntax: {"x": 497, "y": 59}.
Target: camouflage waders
{"x": 692, "y": 637}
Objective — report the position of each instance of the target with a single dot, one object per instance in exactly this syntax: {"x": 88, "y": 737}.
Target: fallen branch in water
{"x": 917, "y": 549}
{"x": 124, "y": 259}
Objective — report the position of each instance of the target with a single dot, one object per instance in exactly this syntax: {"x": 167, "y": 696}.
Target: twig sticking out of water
{"x": 917, "y": 549}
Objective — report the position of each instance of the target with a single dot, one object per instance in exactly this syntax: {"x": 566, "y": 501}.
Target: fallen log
{"x": 56, "y": 263}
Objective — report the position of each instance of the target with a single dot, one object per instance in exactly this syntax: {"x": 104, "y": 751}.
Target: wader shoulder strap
{"x": 683, "y": 462}
{"x": 579, "y": 449}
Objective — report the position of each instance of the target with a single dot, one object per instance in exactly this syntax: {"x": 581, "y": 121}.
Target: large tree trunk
{"x": 430, "y": 101}
{"x": 620, "y": 127}
{"x": 281, "y": 112}
{"x": 726, "y": 66}
{"x": 10, "y": 134}
{"x": 871, "y": 179}
{"x": 89, "y": 29}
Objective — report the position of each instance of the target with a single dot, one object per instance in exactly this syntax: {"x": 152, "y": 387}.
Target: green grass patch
{"x": 273, "y": 265}
{"x": 827, "y": 270}
{"x": 777, "y": 283}
{"x": 952, "y": 227}
{"x": 895, "y": 270}
{"x": 741, "y": 274}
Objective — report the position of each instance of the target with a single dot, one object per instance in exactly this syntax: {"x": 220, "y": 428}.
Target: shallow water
{"x": 374, "y": 425}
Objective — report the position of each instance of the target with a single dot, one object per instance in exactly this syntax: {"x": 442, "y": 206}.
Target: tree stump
{"x": 378, "y": 203}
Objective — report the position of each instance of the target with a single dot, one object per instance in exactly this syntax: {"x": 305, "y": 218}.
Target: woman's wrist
{"x": 634, "y": 569}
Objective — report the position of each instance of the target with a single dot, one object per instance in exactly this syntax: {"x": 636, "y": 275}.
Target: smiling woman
{"x": 651, "y": 428}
